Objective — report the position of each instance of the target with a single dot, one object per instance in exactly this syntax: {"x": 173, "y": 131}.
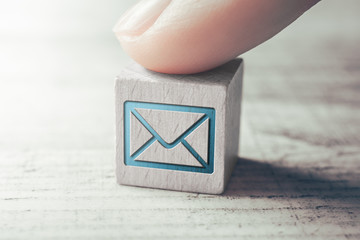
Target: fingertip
{"x": 186, "y": 36}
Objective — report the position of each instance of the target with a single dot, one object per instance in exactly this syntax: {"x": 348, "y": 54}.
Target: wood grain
{"x": 298, "y": 176}
{"x": 218, "y": 95}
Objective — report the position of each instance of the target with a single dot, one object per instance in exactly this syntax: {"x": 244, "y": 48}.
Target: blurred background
{"x": 58, "y": 62}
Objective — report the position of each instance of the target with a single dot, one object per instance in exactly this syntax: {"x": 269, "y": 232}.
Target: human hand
{"x": 189, "y": 36}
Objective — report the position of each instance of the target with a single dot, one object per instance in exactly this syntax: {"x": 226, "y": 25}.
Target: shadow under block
{"x": 178, "y": 132}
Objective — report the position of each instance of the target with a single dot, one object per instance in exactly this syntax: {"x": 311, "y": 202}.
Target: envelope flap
{"x": 178, "y": 155}
{"x": 169, "y": 124}
{"x": 198, "y": 140}
{"x": 139, "y": 134}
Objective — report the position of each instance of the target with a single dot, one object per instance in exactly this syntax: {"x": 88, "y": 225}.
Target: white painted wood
{"x": 139, "y": 134}
{"x": 195, "y": 139}
{"x": 298, "y": 176}
{"x": 219, "y": 89}
{"x": 178, "y": 155}
{"x": 169, "y": 124}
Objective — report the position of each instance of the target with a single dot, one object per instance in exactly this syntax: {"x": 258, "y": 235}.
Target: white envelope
{"x": 168, "y": 136}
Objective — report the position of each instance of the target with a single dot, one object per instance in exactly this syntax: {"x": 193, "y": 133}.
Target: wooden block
{"x": 178, "y": 132}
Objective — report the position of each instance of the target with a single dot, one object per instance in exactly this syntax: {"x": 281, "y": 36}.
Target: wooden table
{"x": 298, "y": 174}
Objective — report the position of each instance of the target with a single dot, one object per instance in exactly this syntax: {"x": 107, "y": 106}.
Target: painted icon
{"x": 166, "y": 136}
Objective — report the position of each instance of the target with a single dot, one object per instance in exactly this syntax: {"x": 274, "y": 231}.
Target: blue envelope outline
{"x": 209, "y": 113}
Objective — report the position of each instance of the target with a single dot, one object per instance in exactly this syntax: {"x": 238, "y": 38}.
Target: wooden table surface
{"x": 298, "y": 170}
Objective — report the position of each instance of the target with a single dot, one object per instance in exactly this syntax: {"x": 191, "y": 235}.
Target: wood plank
{"x": 298, "y": 174}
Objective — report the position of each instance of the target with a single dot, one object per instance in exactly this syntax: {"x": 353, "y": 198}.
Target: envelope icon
{"x": 166, "y": 136}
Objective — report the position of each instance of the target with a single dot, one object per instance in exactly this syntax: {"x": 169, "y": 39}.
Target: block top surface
{"x": 221, "y": 75}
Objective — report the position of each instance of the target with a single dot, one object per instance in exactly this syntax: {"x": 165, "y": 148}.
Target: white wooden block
{"x": 178, "y": 132}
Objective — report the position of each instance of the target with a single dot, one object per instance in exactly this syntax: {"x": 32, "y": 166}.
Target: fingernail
{"x": 140, "y": 17}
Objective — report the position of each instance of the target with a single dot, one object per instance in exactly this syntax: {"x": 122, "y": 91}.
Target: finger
{"x": 187, "y": 36}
